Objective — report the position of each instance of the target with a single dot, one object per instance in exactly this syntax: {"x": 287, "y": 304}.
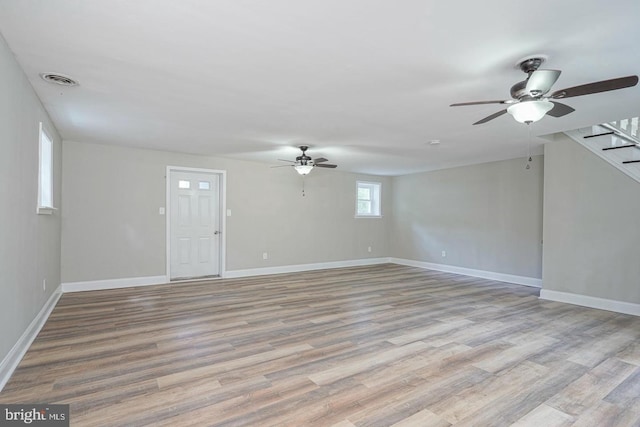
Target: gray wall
{"x": 29, "y": 243}
{"x": 591, "y": 231}
{"x": 112, "y": 229}
{"x": 486, "y": 217}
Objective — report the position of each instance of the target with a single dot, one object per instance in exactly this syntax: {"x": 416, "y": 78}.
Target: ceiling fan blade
{"x": 326, "y": 165}
{"x": 281, "y": 166}
{"x": 560, "y": 109}
{"x": 540, "y": 81}
{"x": 320, "y": 160}
{"x": 283, "y": 160}
{"x": 596, "y": 87}
{"x": 460, "y": 104}
{"x": 491, "y": 117}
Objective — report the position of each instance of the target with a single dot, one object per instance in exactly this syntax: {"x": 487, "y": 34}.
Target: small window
{"x": 204, "y": 185}
{"x": 368, "y": 199}
{"x": 45, "y": 173}
{"x": 184, "y": 185}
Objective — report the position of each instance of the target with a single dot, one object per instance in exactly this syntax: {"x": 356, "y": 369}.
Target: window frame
{"x": 45, "y": 183}
{"x": 376, "y": 199}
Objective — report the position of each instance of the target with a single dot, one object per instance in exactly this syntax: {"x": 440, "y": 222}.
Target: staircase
{"x": 629, "y": 126}
{"x": 617, "y": 142}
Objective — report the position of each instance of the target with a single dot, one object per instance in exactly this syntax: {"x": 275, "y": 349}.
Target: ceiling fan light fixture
{"x": 303, "y": 169}
{"x": 530, "y": 111}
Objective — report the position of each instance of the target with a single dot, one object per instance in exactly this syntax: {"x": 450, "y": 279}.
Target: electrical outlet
{"x": 44, "y": 284}
{"x": 369, "y": 249}
{"x": 444, "y": 254}
{"x": 265, "y": 255}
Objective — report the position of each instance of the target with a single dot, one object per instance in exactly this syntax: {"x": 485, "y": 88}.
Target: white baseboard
{"x": 491, "y": 275}
{"x": 232, "y": 274}
{"x": 17, "y": 352}
{"x": 592, "y": 302}
{"x": 501, "y": 277}
{"x": 98, "y": 285}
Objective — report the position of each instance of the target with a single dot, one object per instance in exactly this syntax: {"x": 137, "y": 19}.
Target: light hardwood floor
{"x": 368, "y": 346}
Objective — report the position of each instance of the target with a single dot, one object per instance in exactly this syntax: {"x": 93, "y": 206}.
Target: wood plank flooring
{"x": 384, "y": 345}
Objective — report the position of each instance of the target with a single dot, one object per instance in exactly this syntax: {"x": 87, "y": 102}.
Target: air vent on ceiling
{"x": 59, "y": 79}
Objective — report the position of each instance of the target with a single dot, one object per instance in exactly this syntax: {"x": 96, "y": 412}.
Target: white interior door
{"x": 194, "y": 224}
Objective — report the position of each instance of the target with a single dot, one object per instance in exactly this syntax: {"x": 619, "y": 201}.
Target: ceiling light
{"x": 303, "y": 169}
{"x": 434, "y": 142}
{"x": 529, "y": 111}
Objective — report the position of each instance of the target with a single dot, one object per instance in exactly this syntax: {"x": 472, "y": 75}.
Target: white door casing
{"x": 194, "y": 223}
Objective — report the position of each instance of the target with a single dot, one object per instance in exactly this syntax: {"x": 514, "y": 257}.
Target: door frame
{"x": 222, "y": 177}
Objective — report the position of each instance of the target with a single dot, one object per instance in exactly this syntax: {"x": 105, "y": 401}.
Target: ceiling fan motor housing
{"x": 303, "y": 159}
{"x": 528, "y": 66}
{"x": 518, "y": 90}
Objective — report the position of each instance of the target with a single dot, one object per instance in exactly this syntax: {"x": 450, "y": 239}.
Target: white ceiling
{"x": 365, "y": 83}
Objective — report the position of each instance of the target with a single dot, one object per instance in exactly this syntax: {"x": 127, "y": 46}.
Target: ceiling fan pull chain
{"x": 529, "y": 146}
{"x": 303, "y": 186}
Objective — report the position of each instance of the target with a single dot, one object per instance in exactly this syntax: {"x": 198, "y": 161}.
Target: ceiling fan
{"x": 303, "y": 164}
{"x": 530, "y": 100}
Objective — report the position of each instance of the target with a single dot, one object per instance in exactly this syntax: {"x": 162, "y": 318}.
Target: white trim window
{"x": 368, "y": 199}
{"x": 45, "y": 173}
